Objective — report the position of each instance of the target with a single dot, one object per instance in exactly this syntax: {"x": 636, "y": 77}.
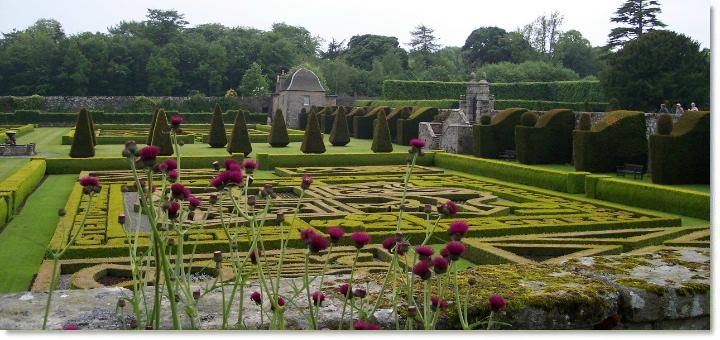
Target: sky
{"x": 452, "y": 20}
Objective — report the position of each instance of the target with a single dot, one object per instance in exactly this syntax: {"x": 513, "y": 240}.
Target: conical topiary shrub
{"x": 340, "y": 133}
{"x": 152, "y": 127}
{"x": 82, "y": 146}
{"x": 278, "y": 137}
{"x": 92, "y": 128}
{"x": 240, "y": 139}
{"x": 217, "y": 137}
{"x": 161, "y": 134}
{"x": 381, "y": 135}
{"x": 313, "y": 138}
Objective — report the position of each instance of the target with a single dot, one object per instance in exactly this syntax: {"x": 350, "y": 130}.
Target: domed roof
{"x": 303, "y": 80}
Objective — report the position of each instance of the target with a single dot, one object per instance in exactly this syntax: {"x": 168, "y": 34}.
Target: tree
{"x": 382, "y": 141}
{"x": 162, "y": 76}
{"x": 528, "y": 71}
{"x": 659, "y": 65}
{"x": 576, "y": 53}
{"x": 82, "y": 145}
{"x": 217, "y": 137}
{"x": 544, "y": 32}
{"x": 334, "y": 49}
{"x": 340, "y": 133}
{"x": 163, "y": 26}
{"x": 161, "y": 134}
{"x": 363, "y": 49}
{"x": 638, "y": 17}
{"x": 278, "y": 137}
{"x": 254, "y": 83}
{"x": 240, "y": 138}
{"x": 423, "y": 41}
{"x": 519, "y": 48}
{"x": 313, "y": 138}
{"x": 484, "y": 46}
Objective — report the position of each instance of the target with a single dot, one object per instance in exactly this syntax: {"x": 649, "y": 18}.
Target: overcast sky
{"x": 452, "y": 20}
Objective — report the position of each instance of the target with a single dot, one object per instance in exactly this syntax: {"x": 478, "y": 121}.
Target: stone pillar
{"x": 477, "y": 99}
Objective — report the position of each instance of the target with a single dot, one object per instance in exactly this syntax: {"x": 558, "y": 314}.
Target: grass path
{"x": 25, "y": 238}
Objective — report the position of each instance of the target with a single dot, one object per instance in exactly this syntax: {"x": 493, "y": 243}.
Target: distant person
{"x": 693, "y": 107}
{"x": 664, "y": 109}
{"x": 679, "y": 109}
{"x": 269, "y": 120}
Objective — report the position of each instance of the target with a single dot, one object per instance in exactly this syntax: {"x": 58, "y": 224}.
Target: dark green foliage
{"x": 529, "y": 119}
{"x": 490, "y": 140}
{"x": 92, "y": 129}
{"x": 549, "y": 141}
{"x": 326, "y": 117}
{"x": 638, "y": 16}
{"x": 543, "y": 105}
{"x": 587, "y": 107}
{"x": 439, "y": 103}
{"x": 99, "y": 117}
{"x": 408, "y": 129}
{"x": 82, "y": 146}
{"x": 240, "y": 139}
{"x": 302, "y": 118}
{"x": 161, "y": 134}
{"x": 363, "y": 125}
{"x": 613, "y": 105}
{"x": 278, "y": 137}
{"x": 614, "y": 141}
{"x": 585, "y": 123}
{"x": 313, "y": 139}
{"x": 564, "y": 91}
{"x": 486, "y": 45}
{"x": 218, "y": 136}
{"x": 485, "y": 120}
{"x": 152, "y": 127}
{"x": 683, "y": 155}
{"x": 394, "y": 115}
{"x": 381, "y": 134}
{"x": 340, "y": 134}
{"x": 657, "y": 66}
{"x": 355, "y": 112}
{"x": 664, "y": 124}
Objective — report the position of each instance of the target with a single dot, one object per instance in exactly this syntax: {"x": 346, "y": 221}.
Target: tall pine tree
{"x": 638, "y": 18}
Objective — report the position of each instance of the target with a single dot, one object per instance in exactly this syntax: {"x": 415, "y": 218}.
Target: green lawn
{"x": 25, "y": 238}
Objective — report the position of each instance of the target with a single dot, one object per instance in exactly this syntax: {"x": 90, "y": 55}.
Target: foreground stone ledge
{"x": 658, "y": 288}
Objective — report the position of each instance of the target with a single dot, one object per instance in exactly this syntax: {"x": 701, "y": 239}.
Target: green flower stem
{"x": 345, "y": 298}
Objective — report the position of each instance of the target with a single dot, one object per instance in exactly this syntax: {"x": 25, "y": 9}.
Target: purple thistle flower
{"x": 360, "y": 238}
{"x": 422, "y": 269}
{"x": 436, "y": 302}
{"x": 176, "y": 120}
{"x": 170, "y": 164}
{"x": 345, "y": 290}
{"x": 177, "y": 190}
{"x": 317, "y": 243}
{"x": 256, "y": 297}
{"x": 417, "y": 143}
{"x": 194, "y": 201}
{"x": 424, "y": 252}
{"x": 440, "y": 265}
{"x": 318, "y": 297}
{"x": 455, "y": 249}
{"x": 173, "y": 210}
{"x": 149, "y": 153}
{"x": 306, "y": 181}
{"x": 173, "y": 175}
{"x": 389, "y": 243}
{"x": 362, "y": 325}
{"x": 89, "y": 181}
{"x": 497, "y": 302}
{"x": 336, "y": 234}
{"x": 449, "y": 208}
{"x": 458, "y": 229}
{"x": 305, "y": 234}
{"x": 232, "y": 165}
{"x": 70, "y": 327}
{"x": 255, "y": 255}
{"x": 250, "y": 165}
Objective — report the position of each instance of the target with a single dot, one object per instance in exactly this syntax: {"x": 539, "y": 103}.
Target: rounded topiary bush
{"x": 528, "y": 119}
{"x": 664, "y": 124}
{"x": 218, "y": 137}
{"x": 278, "y": 137}
{"x": 585, "y": 122}
{"x": 485, "y": 120}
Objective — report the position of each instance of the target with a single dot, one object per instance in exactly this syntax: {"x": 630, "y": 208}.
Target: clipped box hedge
{"x": 561, "y": 91}
{"x": 271, "y": 161}
{"x": 409, "y": 128}
{"x": 22, "y": 183}
{"x": 649, "y": 196}
{"x": 5, "y": 211}
{"x": 549, "y": 141}
{"x": 73, "y": 166}
{"x": 617, "y": 139}
{"x": 438, "y": 103}
{"x": 492, "y": 139}
{"x": 100, "y": 117}
{"x": 683, "y": 156}
{"x": 570, "y": 182}
{"x": 544, "y": 105}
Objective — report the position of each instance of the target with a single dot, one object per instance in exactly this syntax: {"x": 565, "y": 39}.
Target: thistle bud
{"x": 213, "y": 198}
{"x": 121, "y": 219}
{"x": 121, "y": 303}
{"x": 217, "y": 256}
{"x": 62, "y": 212}
{"x": 251, "y": 200}
{"x": 196, "y": 294}
{"x": 216, "y": 165}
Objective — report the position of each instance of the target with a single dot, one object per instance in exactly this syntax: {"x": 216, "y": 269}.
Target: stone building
{"x": 299, "y": 90}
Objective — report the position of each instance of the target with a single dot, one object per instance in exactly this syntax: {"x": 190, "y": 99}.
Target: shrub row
{"x": 438, "y": 103}
{"x": 543, "y": 105}
{"x": 21, "y": 184}
{"x": 617, "y": 139}
{"x": 408, "y": 128}
{"x": 497, "y": 137}
{"x": 649, "y": 196}
{"x": 683, "y": 156}
{"x": 565, "y": 91}
{"x": 549, "y": 141}
{"x": 271, "y": 161}
{"x": 57, "y": 166}
{"x": 99, "y": 117}
{"x": 570, "y": 182}
{"x": 19, "y": 129}
{"x": 196, "y": 103}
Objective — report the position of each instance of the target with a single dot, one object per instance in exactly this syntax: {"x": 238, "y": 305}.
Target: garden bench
{"x": 630, "y": 169}
{"x": 507, "y": 155}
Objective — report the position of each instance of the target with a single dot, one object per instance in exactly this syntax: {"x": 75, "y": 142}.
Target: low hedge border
{"x": 99, "y": 117}
{"x": 23, "y": 182}
{"x": 569, "y": 182}
{"x": 74, "y": 166}
{"x": 438, "y": 103}
{"x": 268, "y": 161}
{"x": 649, "y": 196}
{"x": 20, "y": 130}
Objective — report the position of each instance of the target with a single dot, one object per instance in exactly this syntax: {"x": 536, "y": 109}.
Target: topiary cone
{"x": 161, "y": 134}
{"x": 278, "y": 131}
{"x": 152, "y": 127}
{"x": 218, "y": 137}
{"x": 313, "y": 138}
{"x": 82, "y": 146}
{"x": 240, "y": 138}
{"x": 340, "y": 133}
{"x": 381, "y": 134}
{"x": 92, "y": 128}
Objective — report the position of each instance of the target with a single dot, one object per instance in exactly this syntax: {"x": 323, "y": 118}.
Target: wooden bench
{"x": 507, "y": 155}
{"x": 630, "y": 169}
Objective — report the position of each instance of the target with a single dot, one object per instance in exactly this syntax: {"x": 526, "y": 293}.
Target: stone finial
{"x": 472, "y": 76}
